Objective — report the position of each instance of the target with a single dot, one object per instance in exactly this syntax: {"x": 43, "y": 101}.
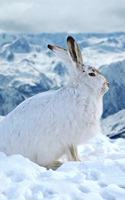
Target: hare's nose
{"x": 108, "y": 84}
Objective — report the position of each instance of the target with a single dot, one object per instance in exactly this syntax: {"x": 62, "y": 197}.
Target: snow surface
{"x": 99, "y": 176}
{"x": 1, "y": 118}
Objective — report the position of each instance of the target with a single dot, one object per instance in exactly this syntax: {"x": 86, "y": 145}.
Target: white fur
{"x": 44, "y": 126}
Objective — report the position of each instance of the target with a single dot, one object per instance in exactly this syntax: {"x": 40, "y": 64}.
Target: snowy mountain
{"x": 27, "y": 67}
{"x": 19, "y": 45}
{"x": 115, "y": 99}
{"x": 114, "y": 125}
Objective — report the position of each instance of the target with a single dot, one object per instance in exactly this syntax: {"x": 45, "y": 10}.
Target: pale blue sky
{"x": 62, "y": 15}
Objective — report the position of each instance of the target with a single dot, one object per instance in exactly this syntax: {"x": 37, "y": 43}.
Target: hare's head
{"x": 80, "y": 73}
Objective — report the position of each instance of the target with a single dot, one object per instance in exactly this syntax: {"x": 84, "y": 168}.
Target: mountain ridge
{"x": 28, "y": 67}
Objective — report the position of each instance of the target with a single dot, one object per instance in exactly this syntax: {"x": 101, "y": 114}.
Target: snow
{"x": 1, "y": 118}
{"x": 99, "y": 176}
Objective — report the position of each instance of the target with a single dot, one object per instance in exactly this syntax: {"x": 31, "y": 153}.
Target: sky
{"x": 62, "y": 15}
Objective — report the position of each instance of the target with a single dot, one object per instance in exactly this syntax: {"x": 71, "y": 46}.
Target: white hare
{"x": 50, "y": 124}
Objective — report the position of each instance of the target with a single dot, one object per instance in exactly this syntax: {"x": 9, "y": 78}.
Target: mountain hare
{"x": 50, "y": 124}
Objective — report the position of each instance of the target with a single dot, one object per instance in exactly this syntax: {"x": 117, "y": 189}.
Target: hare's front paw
{"x": 72, "y": 153}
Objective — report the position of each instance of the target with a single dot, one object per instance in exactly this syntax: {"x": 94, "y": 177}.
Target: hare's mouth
{"x": 105, "y": 87}
{"x": 107, "y": 84}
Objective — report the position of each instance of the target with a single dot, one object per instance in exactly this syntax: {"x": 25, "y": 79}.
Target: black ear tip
{"x": 70, "y": 39}
{"x": 50, "y": 46}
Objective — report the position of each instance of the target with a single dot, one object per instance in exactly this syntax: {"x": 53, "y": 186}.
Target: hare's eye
{"x": 91, "y": 74}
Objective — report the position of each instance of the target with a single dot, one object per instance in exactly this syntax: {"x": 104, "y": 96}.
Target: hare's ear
{"x": 74, "y": 51}
{"x": 61, "y": 53}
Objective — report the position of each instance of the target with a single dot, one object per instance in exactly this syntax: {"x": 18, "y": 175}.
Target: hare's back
{"x": 37, "y": 103}
{"x": 28, "y": 113}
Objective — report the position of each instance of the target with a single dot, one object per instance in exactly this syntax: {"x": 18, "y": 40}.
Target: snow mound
{"x": 101, "y": 176}
{"x": 1, "y": 118}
